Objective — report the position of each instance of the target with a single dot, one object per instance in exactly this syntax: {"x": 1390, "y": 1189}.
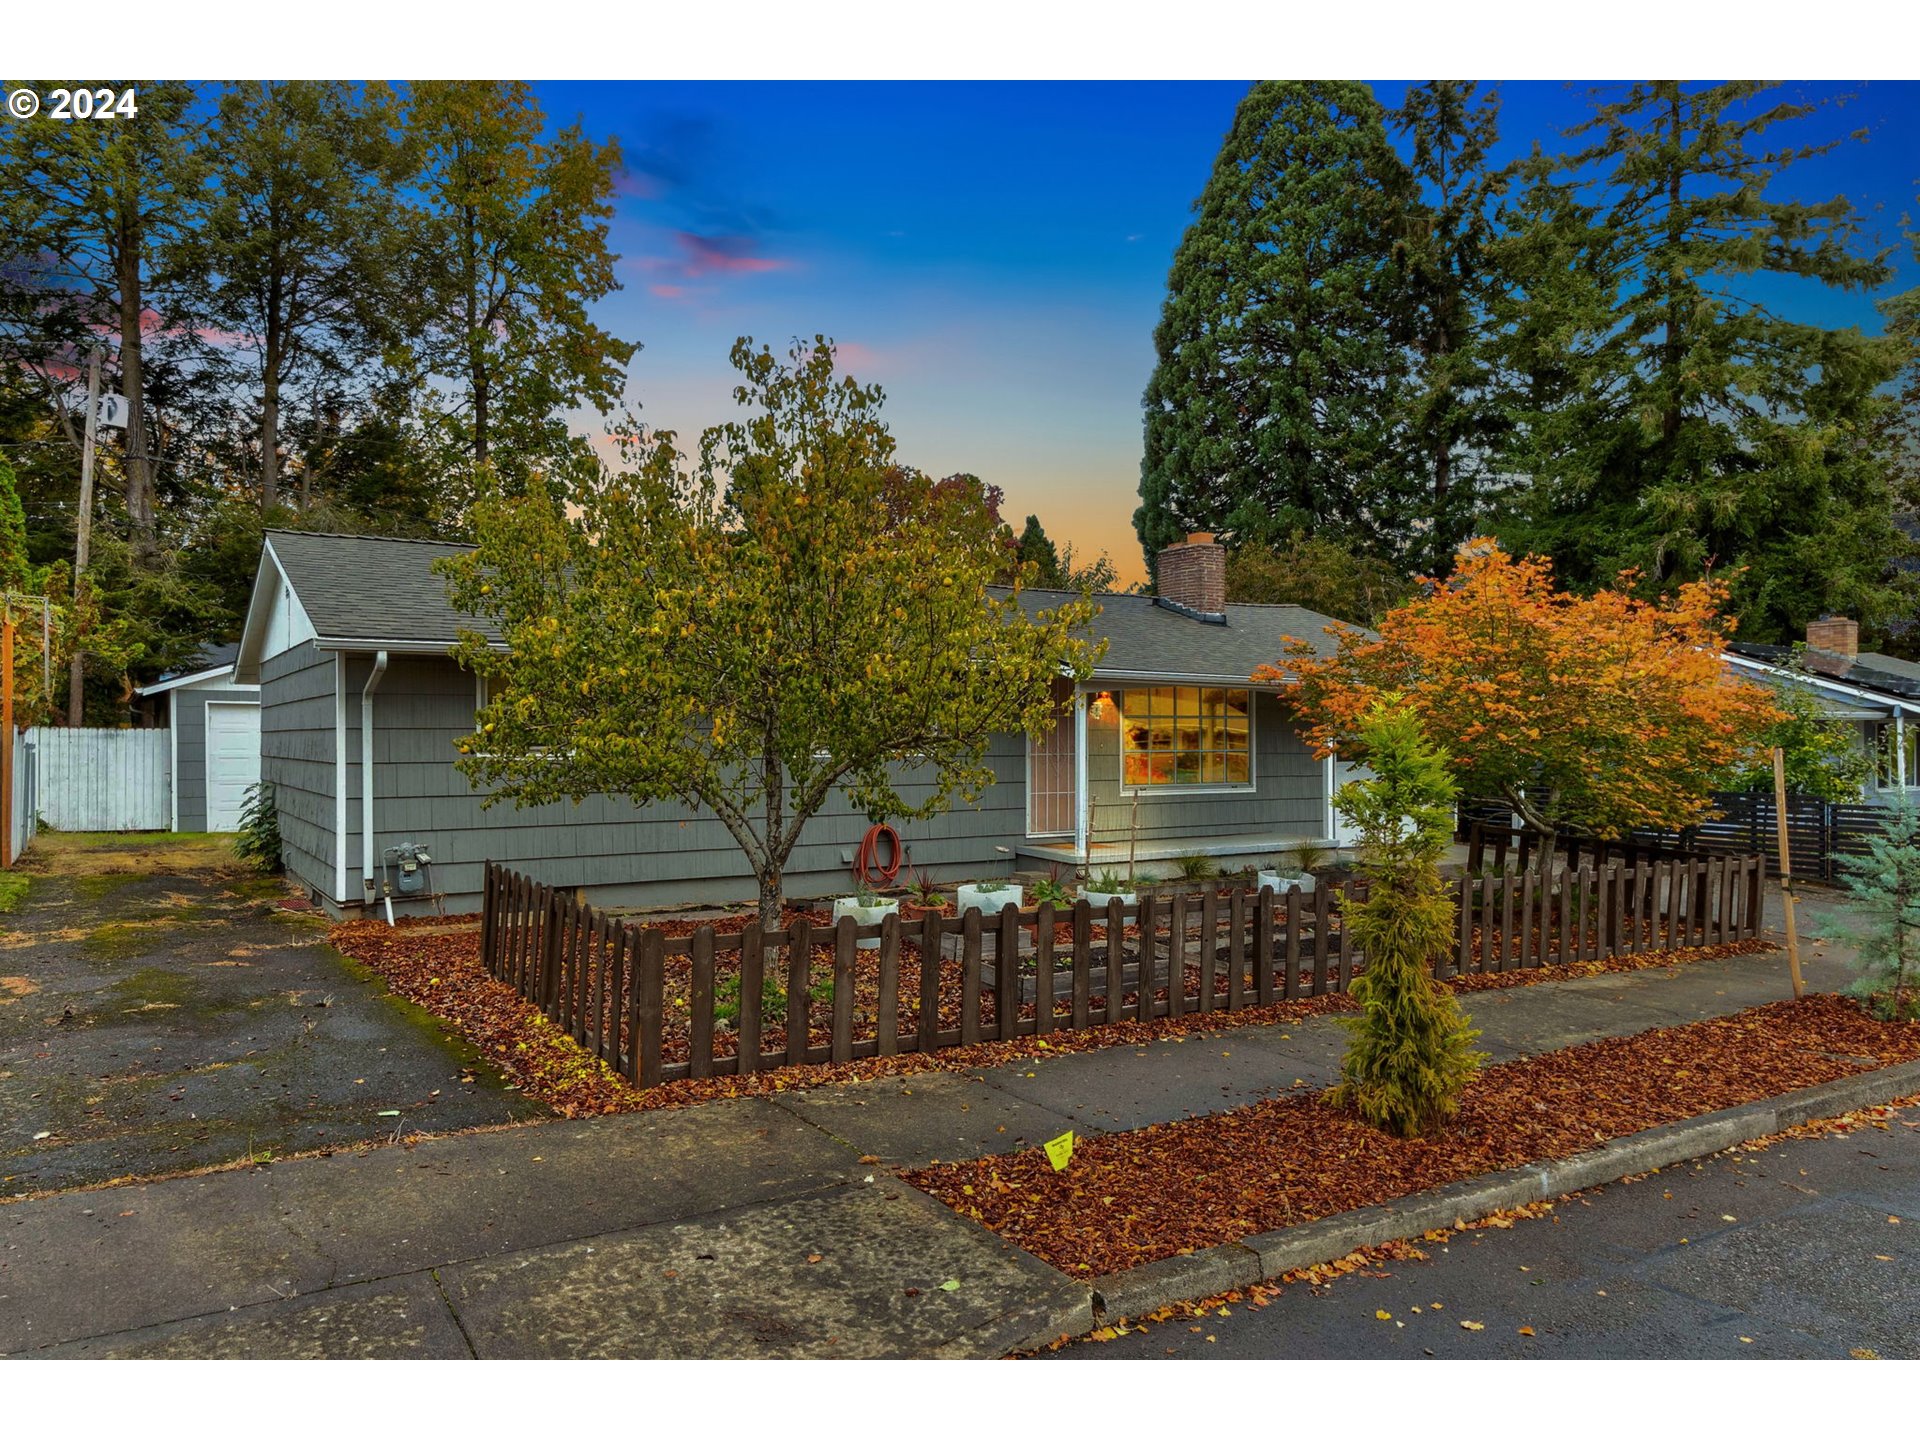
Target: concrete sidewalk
{"x": 741, "y": 1228}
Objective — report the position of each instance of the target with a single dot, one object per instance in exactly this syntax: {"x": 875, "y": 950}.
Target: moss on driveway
{"x": 159, "y": 1011}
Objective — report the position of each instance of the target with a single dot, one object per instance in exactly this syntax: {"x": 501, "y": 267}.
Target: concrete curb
{"x": 1270, "y": 1255}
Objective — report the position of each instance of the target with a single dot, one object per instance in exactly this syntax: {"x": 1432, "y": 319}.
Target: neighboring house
{"x": 1878, "y": 696}
{"x": 348, "y": 638}
{"x": 214, "y": 747}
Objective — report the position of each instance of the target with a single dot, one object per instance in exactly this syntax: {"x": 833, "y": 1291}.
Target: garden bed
{"x": 436, "y": 963}
{"x": 1143, "y": 1195}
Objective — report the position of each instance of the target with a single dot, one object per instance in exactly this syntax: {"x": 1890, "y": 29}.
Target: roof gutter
{"x": 367, "y": 840}
{"x": 1821, "y": 682}
{"x": 1169, "y": 677}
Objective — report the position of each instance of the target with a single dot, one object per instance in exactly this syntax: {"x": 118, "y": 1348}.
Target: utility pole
{"x": 83, "y": 536}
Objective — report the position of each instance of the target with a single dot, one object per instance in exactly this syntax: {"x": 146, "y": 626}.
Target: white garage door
{"x": 233, "y": 760}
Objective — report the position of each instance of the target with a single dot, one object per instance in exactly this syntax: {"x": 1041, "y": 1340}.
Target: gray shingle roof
{"x": 1146, "y": 639}
{"x": 369, "y": 587}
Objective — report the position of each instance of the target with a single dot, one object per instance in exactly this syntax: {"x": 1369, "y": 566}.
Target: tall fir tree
{"x": 1036, "y": 549}
{"x": 1277, "y": 404}
{"x": 1670, "y": 420}
{"x": 290, "y": 257}
{"x": 1449, "y": 129}
{"x": 509, "y": 243}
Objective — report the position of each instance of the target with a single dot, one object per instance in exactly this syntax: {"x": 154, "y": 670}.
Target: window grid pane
{"x": 1186, "y": 735}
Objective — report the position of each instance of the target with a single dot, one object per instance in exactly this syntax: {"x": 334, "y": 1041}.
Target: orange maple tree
{"x": 1591, "y": 714}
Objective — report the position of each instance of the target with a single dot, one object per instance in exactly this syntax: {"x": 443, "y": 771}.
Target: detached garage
{"x": 214, "y": 725}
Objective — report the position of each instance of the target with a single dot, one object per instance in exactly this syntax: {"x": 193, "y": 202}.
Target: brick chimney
{"x": 1191, "y": 576}
{"x": 1833, "y": 643}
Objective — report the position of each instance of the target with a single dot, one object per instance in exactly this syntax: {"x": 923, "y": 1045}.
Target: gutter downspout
{"x": 366, "y": 780}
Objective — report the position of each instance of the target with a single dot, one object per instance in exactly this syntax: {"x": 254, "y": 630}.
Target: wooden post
{"x": 1786, "y": 871}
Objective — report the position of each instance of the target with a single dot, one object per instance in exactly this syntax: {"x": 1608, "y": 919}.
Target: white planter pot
{"x": 865, "y": 915}
{"x": 1278, "y": 881}
{"x": 1099, "y": 899}
{"x": 987, "y": 902}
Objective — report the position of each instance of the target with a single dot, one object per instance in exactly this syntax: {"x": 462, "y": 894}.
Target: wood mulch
{"x": 435, "y": 962}
{"x": 1143, "y": 1195}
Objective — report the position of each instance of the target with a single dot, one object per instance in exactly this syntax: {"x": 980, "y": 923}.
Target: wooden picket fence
{"x": 659, "y": 1007}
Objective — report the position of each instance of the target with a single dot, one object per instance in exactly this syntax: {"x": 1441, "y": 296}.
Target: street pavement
{"x": 1809, "y": 1248}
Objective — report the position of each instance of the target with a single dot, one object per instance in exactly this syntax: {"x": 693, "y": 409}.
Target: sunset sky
{"x": 995, "y": 254}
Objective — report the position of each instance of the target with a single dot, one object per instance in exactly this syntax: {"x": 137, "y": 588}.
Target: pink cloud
{"x": 667, "y": 292}
{"x": 638, "y": 185}
{"x": 723, "y": 255}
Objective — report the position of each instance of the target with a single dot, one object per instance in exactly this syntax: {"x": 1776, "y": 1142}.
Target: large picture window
{"x": 1186, "y": 735}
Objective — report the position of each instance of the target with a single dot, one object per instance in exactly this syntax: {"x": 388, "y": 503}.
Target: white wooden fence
{"x": 103, "y": 779}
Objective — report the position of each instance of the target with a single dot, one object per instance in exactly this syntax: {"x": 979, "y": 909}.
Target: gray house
{"x": 214, "y": 749}
{"x": 1875, "y": 696}
{"x": 348, "y": 639}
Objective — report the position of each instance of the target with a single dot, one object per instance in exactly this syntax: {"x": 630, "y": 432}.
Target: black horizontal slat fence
{"x": 1820, "y": 834}
{"x": 658, "y": 1008}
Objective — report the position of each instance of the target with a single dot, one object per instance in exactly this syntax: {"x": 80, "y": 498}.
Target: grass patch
{"x": 154, "y": 986}
{"x": 124, "y": 939}
{"x": 13, "y": 889}
{"x": 73, "y": 856}
{"x": 101, "y": 887}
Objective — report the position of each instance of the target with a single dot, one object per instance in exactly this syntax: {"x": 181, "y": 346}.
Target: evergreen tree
{"x": 290, "y": 256}
{"x": 1455, "y": 277}
{"x": 1035, "y": 549}
{"x": 1277, "y": 404}
{"x": 1885, "y": 884}
{"x": 99, "y": 201}
{"x": 508, "y": 234}
{"x": 1318, "y": 573}
{"x": 1671, "y": 422}
{"x": 1411, "y": 1052}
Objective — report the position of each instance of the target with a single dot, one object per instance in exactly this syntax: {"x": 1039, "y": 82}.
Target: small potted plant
{"x": 866, "y": 908}
{"x": 925, "y": 894}
{"x": 989, "y": 897}
{"x": 1108, "y": 886}
{"x": 1295, "y": 870}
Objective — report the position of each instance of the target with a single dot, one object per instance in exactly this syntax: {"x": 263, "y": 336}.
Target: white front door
{"x": 233, "y": 759}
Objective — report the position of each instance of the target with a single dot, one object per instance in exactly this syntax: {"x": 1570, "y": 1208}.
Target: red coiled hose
{"x": 866, "y": 867}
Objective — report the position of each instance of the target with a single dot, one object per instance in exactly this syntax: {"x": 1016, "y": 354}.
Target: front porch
{"x": 1243, "y": 846}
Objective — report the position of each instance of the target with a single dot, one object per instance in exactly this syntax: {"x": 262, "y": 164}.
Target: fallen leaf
{"x": 813, "y": 1259}
{"x": 1526, "y": 1330}
{"x": 949, "y": 1284}
{"x": 1471, "y": 1325}
{"x": 1383, "y": 1315}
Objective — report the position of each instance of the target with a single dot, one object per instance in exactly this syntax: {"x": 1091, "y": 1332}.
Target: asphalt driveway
{"x": 160, "y": 1011}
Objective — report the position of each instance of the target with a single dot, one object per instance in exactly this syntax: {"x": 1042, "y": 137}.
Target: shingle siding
{"x": 664, "y": 853}
{"x": 296, "y": 758}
